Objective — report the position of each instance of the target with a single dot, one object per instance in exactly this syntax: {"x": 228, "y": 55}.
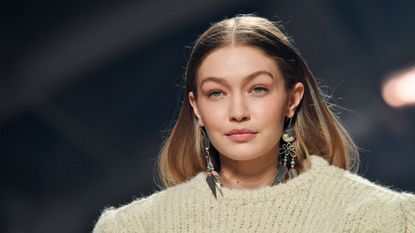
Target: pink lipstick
{"x": 241, "y": 135}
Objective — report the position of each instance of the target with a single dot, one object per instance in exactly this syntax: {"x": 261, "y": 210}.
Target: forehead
{"x": 234, "y": 62}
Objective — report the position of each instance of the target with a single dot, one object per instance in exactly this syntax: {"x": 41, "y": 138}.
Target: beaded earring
{"x": 286, "y": 165}
{"x": 213, "y": 178}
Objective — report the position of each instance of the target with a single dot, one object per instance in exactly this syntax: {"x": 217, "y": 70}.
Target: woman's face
{"x": 242, "y": 102}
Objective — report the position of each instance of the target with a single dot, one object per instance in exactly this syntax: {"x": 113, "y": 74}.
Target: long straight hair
{"x": 318, "y": 130}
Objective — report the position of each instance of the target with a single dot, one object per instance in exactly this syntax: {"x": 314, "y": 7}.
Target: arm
{"x": 391, "y": 213}
{"x": 118, "y": 221}
{"x": 408, "y": 211}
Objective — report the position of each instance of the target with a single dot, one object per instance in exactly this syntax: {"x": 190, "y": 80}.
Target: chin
{"x": 241, "y": 156}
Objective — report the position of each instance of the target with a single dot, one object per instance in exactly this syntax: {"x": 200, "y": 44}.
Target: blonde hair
{"x": 317, "y": 128}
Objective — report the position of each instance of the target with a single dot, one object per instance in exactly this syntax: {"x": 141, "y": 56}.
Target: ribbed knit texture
{"x": 322, "y": 199}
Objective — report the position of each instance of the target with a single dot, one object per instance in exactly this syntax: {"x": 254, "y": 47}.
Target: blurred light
{"x": 399, "y": 89}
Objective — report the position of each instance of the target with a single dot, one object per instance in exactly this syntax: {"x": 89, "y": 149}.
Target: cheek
{"x": 213, "y": 115}
{"x": 269, "y": 111}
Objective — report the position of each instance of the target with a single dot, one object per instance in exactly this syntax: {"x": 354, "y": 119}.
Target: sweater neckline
{"x": 299, "y": 184}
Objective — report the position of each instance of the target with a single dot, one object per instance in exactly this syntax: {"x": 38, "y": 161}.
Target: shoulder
{"x": 136, "y": 214}
{"x": 381, "y": 208}
{"x": 370, "y": 203}
{"x": 355, "y": 184}
{"x": 390, "y": 210}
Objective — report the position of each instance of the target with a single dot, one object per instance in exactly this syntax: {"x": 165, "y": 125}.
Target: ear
{"x": 193, "y": 103}
{"x": 294, "y": 98}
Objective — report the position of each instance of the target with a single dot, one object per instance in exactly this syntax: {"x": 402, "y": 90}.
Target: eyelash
{"x": 211, "y": 93}
{"x": 214, "y": 92}
{"x": 261, "y": 88}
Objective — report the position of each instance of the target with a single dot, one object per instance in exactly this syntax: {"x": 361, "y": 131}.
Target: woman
{"x": 257, "y": 149}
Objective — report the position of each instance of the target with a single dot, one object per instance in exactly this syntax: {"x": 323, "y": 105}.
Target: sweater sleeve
{"x": 407, "y": 205}
{"x": 106, "y": 222}
{"x": 383, "y": 212}
{"x": 394, "y": 213}
{"x": 117, "y": 221}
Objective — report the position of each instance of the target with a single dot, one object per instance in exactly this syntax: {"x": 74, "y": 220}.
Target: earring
{"x": 213, "y": 178}
{"x": 286, "y": 165}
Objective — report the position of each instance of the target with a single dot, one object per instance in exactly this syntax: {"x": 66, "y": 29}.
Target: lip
{"x": 240, "y": 131}
{"x": 241, "y": 135}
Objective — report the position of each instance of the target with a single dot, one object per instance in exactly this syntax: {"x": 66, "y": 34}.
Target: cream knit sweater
{"x": 322, "y": 199}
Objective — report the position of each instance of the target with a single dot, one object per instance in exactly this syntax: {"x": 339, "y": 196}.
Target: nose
{"x": 238, "y": 109}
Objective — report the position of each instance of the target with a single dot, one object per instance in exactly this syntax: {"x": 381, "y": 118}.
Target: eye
{"x": 259, "y": 90}
{"x": 214, "y": 93}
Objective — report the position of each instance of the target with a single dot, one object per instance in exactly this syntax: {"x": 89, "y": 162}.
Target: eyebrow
{"x": 246, "y": 79}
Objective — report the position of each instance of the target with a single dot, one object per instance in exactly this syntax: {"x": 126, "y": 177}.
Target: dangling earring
{"x": 213, "y": 178}
{"x": 286, "y": 165}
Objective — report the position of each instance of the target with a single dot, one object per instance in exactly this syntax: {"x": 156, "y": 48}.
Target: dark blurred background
{"x": 88, "y": 89}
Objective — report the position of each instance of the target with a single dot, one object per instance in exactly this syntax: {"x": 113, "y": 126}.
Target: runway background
{"x": 87, "y": 89}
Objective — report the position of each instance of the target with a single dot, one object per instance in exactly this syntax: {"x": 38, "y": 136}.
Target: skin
{"x": 242, "y": 87}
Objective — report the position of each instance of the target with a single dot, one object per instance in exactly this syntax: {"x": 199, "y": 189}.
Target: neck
{"x": 256, "y": 173}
